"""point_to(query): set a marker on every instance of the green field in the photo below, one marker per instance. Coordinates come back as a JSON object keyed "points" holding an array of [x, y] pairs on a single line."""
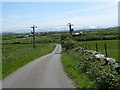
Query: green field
{"points": [[6, 39], [39, 39], [92, 35], [15, 56], [112, 47]]}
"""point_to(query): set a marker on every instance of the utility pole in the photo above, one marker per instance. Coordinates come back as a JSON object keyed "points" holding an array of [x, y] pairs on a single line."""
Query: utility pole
{"points": [[33, 34], [71, 30]]}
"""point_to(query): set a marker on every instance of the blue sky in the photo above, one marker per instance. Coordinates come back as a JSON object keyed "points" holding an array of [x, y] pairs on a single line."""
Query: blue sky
{"points": [[18, 16]]}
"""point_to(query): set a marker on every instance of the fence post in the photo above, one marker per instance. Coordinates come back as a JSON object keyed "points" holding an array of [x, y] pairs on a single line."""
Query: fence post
{"points": [[85, 46], [96, 46], [89, 47], [106, 54]]}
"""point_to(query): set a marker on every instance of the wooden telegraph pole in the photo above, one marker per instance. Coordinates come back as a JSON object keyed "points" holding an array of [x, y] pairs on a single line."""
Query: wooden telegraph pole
{"points": [[70, 25], [33, 32]]}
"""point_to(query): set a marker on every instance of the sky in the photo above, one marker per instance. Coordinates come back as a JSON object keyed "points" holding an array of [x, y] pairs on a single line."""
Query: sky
{"points": [[20, 16]]}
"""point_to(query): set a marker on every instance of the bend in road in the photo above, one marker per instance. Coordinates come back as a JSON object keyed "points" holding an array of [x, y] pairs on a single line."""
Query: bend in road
{"points": [[44, 72]]}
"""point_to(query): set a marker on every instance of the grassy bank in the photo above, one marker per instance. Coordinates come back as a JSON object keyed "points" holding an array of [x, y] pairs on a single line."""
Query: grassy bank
{"points": [[0, 61], [81, 80], [0, 70], [16, 55]]}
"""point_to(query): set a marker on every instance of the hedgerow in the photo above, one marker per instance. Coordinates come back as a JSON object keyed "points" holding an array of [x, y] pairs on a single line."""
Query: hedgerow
{"points": [[104, 76]]}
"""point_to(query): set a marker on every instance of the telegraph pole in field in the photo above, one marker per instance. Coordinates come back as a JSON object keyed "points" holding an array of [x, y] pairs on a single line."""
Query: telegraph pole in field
{"points": [[33, 32], [71, 30]]}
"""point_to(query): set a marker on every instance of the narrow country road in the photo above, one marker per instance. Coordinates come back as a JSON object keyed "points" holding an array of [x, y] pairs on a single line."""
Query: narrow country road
{"points": [[44, 72]]}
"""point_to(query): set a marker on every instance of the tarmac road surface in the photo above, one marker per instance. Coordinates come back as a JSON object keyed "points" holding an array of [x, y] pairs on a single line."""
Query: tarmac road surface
{"points": [[44, 72]]}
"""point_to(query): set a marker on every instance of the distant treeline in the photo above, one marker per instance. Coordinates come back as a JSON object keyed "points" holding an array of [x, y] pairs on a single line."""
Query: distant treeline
{"points": [[99, 35], [86, 38]]}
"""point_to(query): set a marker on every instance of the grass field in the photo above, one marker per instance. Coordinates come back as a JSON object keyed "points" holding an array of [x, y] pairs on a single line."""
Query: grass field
{"points": [[39, 39], [81, 80], [16, 55], [112, 47], [6, 39]]}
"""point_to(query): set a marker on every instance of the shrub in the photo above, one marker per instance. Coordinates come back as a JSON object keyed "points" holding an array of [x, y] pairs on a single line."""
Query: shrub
{"points": [[69, 44], [107, 78], [103, 76]]}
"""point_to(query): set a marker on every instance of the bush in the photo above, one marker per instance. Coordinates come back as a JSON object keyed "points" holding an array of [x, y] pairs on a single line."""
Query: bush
{"points": [[69, 44], [103, 76], [84, 64], [107, 78]]}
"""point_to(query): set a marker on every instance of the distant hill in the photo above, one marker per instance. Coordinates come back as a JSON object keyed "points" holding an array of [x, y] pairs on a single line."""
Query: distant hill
{"points": [[58, 30]]}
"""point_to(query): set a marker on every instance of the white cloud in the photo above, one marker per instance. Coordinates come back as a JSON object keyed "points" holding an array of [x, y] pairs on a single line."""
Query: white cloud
{"points": [[99, 15], [95, 16]]}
